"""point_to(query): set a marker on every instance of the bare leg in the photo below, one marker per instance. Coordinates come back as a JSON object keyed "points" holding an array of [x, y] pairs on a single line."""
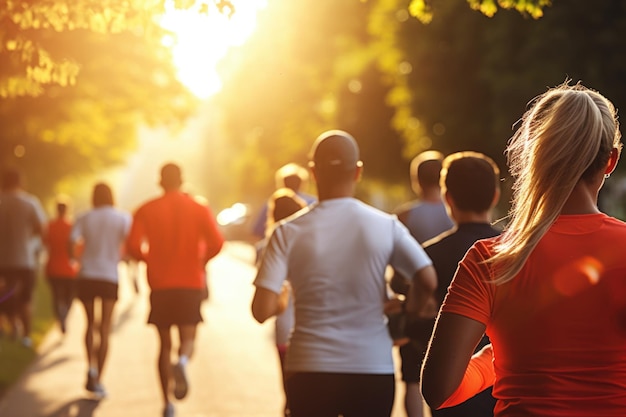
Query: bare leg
{"points": [[89, 310], [413, 401], [106, 318], [187, 334], [164, 362]]}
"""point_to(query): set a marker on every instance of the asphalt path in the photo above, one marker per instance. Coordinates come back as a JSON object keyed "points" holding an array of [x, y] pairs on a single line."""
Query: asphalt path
{"points": [[234, 372]]}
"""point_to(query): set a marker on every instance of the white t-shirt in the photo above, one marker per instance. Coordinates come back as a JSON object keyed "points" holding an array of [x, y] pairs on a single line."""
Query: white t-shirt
{"points": [[103, 231], [335, 255], [21, 216]]}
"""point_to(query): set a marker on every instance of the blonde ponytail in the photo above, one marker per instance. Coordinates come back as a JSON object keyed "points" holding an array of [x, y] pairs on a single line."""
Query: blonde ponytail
{"points": [[566, 136]]}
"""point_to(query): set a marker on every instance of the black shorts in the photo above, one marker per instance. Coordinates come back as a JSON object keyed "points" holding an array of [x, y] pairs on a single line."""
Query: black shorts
{"points": [[89, 288], [175, 306], [317, 394], [63, 287], [16, 288], [412, 354]]}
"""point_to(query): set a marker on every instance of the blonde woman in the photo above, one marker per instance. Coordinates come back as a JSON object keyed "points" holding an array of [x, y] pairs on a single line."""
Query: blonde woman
{"points": [[551, 291]]}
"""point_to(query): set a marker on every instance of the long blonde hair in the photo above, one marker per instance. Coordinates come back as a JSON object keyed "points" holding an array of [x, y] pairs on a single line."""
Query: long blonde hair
{"points": [[566, 136]]}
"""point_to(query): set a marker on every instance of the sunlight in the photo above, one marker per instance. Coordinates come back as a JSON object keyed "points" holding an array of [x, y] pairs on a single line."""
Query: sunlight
{"points": [[199, 41], [578, 276]]}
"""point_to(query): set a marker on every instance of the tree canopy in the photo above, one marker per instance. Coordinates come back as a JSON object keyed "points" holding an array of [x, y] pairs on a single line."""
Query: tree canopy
{"points": [[77, 78], [401, 86]]}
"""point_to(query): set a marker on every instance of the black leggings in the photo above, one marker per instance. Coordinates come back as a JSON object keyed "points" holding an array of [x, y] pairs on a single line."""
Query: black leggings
{"points": [[319, 394]]}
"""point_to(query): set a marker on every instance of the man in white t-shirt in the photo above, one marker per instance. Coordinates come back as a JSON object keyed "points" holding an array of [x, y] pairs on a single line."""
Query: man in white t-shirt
{"points": [[334, 255]]}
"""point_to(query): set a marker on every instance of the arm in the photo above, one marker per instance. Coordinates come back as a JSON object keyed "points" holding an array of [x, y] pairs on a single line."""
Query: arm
{"points": [[135, 239], [445, 368], [75, 236], [421, 290], [212, 237], [266, 303]]}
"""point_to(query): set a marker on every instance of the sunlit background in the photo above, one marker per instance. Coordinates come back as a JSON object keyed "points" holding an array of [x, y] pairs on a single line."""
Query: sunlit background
{"points": [[200, 41], [112, 92]]}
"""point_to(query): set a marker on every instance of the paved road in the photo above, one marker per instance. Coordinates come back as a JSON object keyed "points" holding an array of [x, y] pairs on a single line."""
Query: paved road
{"points": [[235, 372]]}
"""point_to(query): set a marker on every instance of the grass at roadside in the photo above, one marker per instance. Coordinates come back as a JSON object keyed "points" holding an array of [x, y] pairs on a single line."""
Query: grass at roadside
{"points": [[15, 358]]}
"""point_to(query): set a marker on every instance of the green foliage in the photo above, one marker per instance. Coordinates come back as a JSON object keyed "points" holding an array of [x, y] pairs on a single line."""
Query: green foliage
{"points": [[472, 76], [423, 9], [305, 58], [64, 128]]}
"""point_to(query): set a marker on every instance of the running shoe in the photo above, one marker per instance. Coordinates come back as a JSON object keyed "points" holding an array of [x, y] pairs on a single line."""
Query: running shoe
{"points": [[181, 383], [99, 392], [168, 411]]}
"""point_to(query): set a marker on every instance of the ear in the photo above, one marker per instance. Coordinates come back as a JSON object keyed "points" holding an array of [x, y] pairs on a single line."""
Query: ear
{"points": [[448, 199], [610, 166], [358, 172], [496, 197], [312, 170]]}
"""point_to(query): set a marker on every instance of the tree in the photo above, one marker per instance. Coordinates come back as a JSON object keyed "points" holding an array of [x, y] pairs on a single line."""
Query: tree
{"points": [[55, 125], [302, 73]]}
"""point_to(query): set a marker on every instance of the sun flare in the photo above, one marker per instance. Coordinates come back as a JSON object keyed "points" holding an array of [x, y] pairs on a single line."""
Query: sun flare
{"points": [[199, 41]]}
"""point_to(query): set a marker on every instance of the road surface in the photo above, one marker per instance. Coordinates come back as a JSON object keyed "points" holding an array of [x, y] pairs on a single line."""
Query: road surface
{"points": [[234, 373]]}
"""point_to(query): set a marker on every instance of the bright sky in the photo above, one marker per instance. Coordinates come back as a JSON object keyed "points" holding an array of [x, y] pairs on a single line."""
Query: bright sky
{"points": [[202, 40]]}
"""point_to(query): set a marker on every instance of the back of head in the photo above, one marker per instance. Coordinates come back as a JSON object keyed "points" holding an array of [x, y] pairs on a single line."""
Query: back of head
{"points": [[471, 179], [11, 179], [62, 205], [425, 169], [565, 137], [282, 203], [335, 156], [171, 177], [291, 176], [102, 195]]}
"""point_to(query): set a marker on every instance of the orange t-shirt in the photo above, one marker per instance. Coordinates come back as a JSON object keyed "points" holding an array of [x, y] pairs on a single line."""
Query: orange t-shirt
{"points": [[168, 233], [558, 328], [57, 239]]}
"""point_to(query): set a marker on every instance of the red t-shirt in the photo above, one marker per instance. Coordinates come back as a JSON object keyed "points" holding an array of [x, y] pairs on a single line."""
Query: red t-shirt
{"points": [[558, 328], [57, 239], [176, 237]]}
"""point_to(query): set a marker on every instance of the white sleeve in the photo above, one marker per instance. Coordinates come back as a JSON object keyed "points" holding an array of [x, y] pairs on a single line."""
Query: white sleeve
{"points": [[274, 264], [408, 255]]}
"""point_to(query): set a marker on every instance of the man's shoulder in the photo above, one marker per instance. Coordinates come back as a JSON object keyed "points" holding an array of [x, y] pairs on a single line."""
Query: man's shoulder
{"points": [[151, 204], [406, 207], [22, 197], [461, 236]]}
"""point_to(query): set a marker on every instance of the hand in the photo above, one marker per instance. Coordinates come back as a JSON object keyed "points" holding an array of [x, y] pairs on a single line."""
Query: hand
{"points": [[283, 298], [394, 306]]}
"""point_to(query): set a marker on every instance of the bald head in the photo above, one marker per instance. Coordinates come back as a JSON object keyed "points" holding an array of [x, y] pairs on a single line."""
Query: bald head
{"points": [[335, 150], [335, 163]]}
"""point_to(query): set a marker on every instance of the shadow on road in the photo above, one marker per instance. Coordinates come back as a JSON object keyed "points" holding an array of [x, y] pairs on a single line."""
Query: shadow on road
{"points": [[80, 407]]}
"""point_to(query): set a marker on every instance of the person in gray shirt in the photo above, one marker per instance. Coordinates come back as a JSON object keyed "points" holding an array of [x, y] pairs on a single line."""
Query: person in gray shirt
{"points": [[22, 220]]}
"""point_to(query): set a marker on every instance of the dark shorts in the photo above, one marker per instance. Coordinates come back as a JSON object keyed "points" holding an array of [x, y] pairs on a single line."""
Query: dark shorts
{"points": [[16, 288], [321, 394], [89, 288], [63, 288], [412, 354], [175, 306]]}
